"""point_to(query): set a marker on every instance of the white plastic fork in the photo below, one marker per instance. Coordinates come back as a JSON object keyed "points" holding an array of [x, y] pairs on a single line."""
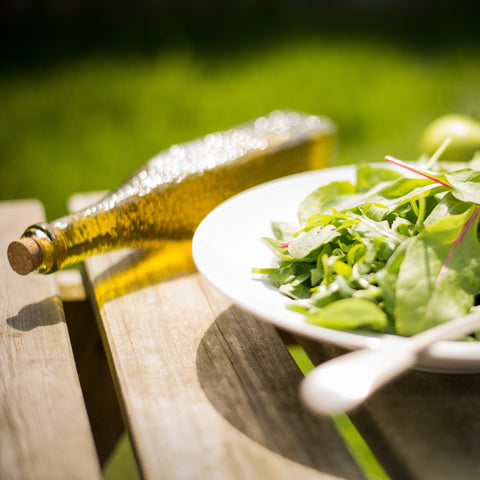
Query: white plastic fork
{"points": [[343, 383]]}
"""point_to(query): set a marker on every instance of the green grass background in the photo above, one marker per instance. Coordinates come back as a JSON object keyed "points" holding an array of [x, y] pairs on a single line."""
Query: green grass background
{"points": [[85, 102]]}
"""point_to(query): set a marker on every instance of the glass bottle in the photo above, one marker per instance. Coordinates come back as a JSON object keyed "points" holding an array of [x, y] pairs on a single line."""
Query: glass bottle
{"points": [[172, 193]]}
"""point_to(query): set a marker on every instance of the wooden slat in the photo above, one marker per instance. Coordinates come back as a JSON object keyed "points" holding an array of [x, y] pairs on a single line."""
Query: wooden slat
{"points": [[93, 371], [44, 430], [207, 391], [422, 426]]}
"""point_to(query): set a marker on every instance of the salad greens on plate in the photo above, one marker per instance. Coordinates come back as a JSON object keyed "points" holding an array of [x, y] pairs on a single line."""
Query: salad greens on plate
{"points": [[392, 253]]}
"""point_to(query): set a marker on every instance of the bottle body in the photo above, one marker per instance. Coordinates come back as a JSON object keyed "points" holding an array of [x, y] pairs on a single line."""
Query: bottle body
{"points": [[173, 192]]}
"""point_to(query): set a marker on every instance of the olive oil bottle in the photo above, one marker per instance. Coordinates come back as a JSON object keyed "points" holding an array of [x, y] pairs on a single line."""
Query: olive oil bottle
{"points": [[172, 193]]}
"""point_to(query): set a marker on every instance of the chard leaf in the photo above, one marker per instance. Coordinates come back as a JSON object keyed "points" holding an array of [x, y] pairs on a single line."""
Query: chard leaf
{"points": [[438, 178], [440, 274]]}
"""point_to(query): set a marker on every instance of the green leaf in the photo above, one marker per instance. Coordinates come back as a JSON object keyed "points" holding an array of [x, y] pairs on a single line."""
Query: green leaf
{"points": [[406, 247], [297, 292], [290, 272], [375, 211], [448, 205], [323, 198], [465, 185], [309, 241], [403, 190], [368, 176], [386, 282], [440, 274], [283, 231], [348, 314], [272, 244], [342, 269], [316, 276]]}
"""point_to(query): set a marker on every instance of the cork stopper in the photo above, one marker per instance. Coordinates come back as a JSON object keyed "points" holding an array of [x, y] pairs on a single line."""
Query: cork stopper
{"points": [[25, 255]]}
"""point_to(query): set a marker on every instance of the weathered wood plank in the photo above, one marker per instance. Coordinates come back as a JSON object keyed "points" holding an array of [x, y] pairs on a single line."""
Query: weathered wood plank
{"points": [[207, 391], [44, 430], [422, 426]]}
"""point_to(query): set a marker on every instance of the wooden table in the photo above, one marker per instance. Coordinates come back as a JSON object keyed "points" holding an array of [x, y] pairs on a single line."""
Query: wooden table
{"points": [[204, 390]]}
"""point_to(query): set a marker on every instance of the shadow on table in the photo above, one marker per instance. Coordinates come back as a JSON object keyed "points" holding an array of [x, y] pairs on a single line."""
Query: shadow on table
{"points": [[251, 380], [40, 314], [421, 422]]}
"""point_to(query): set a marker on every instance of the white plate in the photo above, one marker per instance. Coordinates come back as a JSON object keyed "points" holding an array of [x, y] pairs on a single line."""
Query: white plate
{"points": [[227, 245]]}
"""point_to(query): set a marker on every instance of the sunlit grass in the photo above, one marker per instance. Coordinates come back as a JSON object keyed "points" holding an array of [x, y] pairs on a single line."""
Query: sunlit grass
{"points": [[88, 124], [352, 438], [121, 465]]}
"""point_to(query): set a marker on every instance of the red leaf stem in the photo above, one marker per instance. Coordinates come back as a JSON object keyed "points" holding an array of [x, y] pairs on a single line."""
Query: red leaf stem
{"points": [[455, 244], [398, 162]]}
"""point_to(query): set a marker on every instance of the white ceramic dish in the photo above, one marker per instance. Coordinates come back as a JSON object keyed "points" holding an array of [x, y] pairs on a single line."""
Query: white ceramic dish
{"points": [[227, 245]]}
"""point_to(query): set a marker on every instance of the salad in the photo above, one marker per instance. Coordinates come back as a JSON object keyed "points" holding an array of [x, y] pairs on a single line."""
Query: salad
{"points": [[393, 253]]}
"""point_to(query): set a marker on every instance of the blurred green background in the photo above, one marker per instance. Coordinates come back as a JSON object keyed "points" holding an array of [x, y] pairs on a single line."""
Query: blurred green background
{"points": [[89, 93]]}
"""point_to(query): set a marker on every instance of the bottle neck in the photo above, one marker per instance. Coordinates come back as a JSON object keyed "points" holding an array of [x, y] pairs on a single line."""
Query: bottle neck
{"points": [[52, 244]]}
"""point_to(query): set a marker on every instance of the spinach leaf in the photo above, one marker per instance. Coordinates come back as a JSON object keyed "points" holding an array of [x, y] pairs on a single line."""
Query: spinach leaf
{"points": [[402, 191], [309, 241], [283, 231], [322, 199], [350, 313], [465, 184], [368, 176]]}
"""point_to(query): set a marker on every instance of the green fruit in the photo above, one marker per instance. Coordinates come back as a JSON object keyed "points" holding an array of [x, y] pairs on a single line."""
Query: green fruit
{"points": [[464, 132]]}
